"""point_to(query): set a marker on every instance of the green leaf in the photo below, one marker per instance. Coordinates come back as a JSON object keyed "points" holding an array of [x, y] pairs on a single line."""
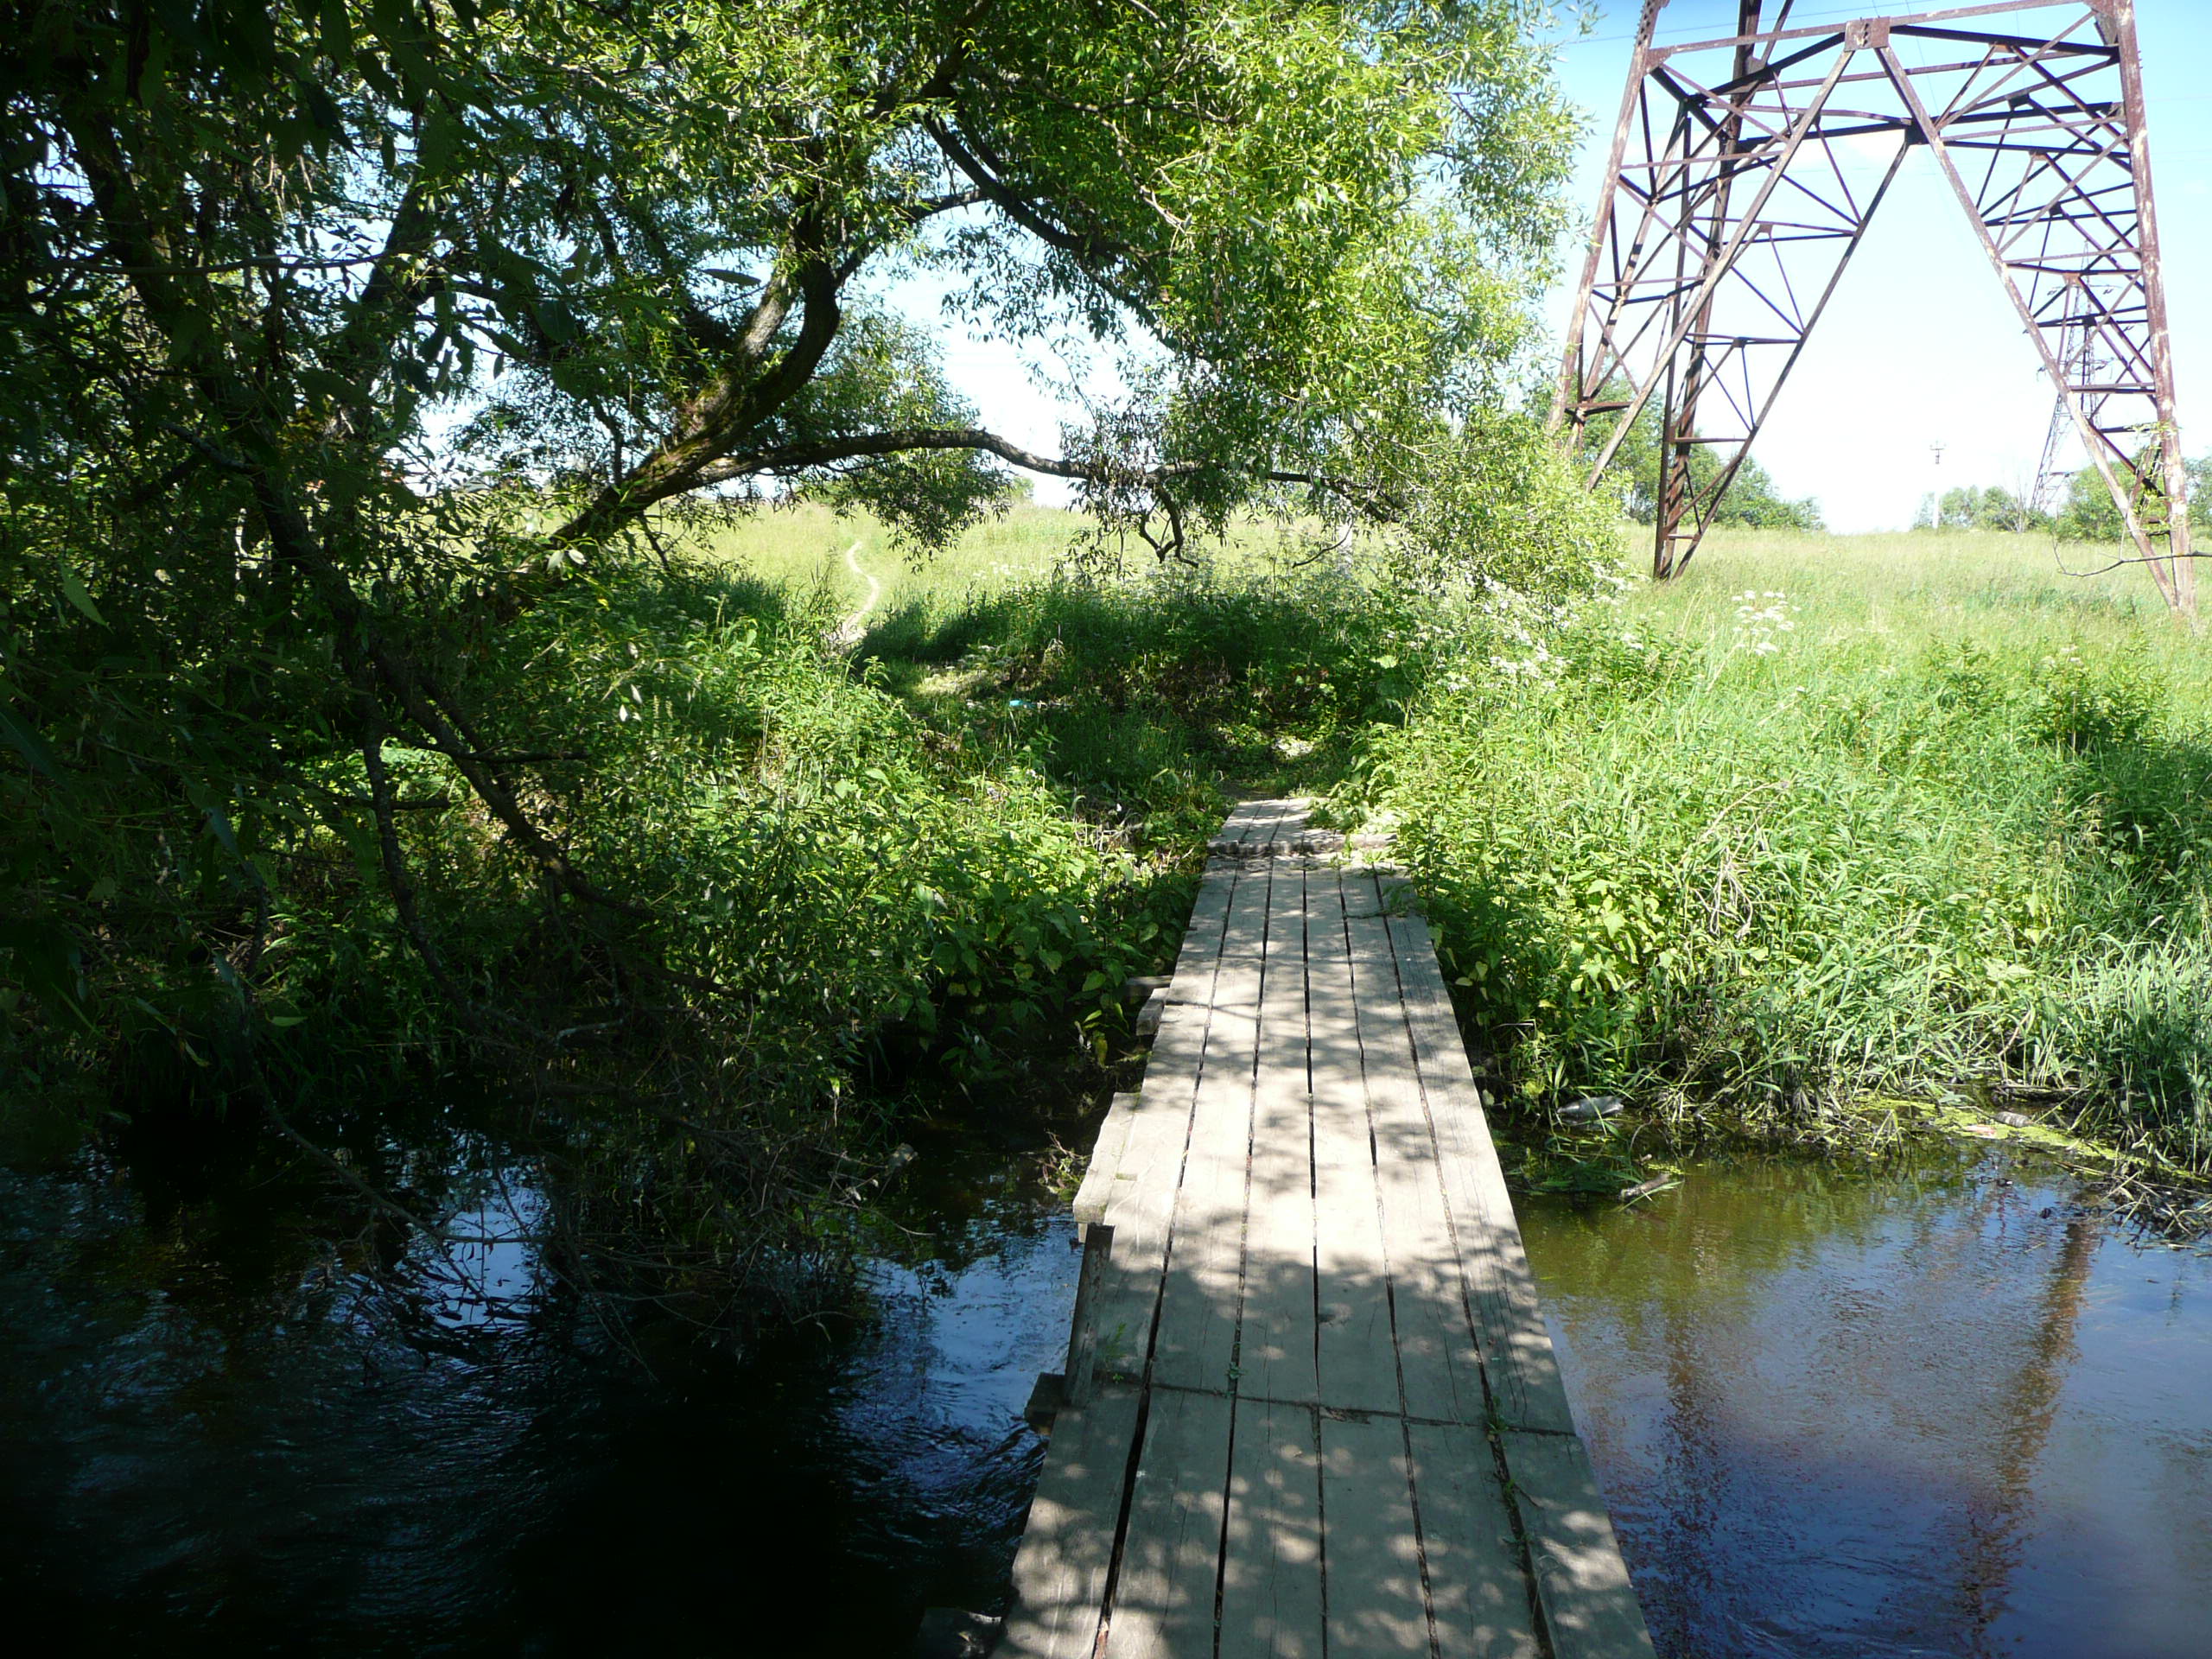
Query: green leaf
{"points": [[72, 589], [26, 743]]}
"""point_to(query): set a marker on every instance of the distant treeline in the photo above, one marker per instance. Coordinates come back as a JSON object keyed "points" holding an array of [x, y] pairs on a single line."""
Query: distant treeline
{"points": [[2087, 514], [1751, 502]]}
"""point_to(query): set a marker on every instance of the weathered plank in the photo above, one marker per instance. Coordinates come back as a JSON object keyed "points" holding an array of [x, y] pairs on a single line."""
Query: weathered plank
{"points": [[1195, 1347], [1370, 1547], [1196, 1343], [1105, 1164], [1171, 1557], [1141, 1200], [1201, 944], [1275, 1341], [1367, 929], [1477, 1578], [1438, 1364], [1590, 1609], [1081, 1370], [1355, 1355], [1271, 1566], [1059, 1574], [1139, 1203], [1246, 934], [1324, 915], [1501, 1291]]}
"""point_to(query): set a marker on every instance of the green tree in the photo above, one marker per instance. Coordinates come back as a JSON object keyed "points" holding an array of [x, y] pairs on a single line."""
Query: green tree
{"points": [[2090, 513], [1751, 502], [1969, 506], [341, 341]]}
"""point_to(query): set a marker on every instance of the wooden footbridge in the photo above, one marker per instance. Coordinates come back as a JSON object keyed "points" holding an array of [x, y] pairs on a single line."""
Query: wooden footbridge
{"points": [[1311, 1407]]}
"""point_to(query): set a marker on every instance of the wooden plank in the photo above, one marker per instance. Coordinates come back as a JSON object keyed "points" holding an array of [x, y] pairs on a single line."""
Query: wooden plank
{"points": [[1478, 1574], [1255, 823], [1171, 1556], [1195, 1346], [1501, 1291], [1367, 929], [1105, 1160], [1287, 817], [1246, 934], [1356, 1351], [1276, 1338], [1244, 818], [1196, 1343], [1439, 1366], [1370, 1549], [1357, 1356], [1325, 918], [1060, 1572], [1271, 1562], [1075, 1382], [1286, 939], [1141, 1201], [1590, 1607], [1140, 1204], [1202, 937]]}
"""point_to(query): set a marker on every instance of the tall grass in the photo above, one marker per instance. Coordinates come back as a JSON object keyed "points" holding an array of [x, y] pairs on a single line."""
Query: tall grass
{"points": [[1151, 695], [1831, 819], [803, 549]]}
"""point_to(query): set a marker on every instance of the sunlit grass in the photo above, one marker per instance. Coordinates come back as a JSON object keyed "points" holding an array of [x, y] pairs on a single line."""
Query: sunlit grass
{"points": [[1830, 819], [1906, 589], [805, 547]]}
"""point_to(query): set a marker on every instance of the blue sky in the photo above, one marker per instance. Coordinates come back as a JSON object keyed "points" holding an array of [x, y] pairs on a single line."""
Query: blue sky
{"points": [[1919, 347]]}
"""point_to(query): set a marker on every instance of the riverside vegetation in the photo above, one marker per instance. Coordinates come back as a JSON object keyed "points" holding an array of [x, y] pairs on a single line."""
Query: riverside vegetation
{"points": [[385, 777], [1836, 837], [1833, 831], [418, 751]]}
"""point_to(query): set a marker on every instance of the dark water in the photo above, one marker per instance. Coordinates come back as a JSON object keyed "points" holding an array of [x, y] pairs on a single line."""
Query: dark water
{"points": [[206, 1447], [1939, 1411], [1934, 1413]]}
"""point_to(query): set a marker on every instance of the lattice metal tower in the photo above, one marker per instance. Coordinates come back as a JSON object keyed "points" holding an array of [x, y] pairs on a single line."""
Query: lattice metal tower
{"points": [[1733, 204]]}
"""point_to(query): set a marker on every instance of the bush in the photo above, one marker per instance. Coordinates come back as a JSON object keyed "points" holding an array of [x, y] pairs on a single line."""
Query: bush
{"points": [[805, 891]]}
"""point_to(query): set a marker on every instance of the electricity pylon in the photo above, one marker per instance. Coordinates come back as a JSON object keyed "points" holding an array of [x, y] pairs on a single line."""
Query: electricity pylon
{"points": [[1742, 177]]}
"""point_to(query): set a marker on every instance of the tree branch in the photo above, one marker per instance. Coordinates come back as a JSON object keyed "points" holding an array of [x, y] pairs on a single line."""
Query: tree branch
{"points": [[826, 452], [739, 398]]}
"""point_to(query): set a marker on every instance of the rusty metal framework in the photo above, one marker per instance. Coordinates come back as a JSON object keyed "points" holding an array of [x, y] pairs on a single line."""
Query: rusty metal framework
{"points": [[1743, 175]]}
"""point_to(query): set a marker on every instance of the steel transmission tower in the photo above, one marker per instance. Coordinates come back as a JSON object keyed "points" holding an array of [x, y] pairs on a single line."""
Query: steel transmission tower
{"points": [[1743, 173]]}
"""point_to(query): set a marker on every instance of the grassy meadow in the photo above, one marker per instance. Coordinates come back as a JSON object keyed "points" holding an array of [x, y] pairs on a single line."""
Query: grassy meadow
{"points": [[1831, 830], [805, 548], [1831, 834]]}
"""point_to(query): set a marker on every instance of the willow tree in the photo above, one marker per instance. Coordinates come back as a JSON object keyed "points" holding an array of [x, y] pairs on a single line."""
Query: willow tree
{"points": [[298, 302]]}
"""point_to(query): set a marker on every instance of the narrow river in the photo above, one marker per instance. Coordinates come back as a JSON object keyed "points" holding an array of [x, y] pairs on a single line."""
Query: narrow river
{"points": [[1930, 1412], [1940, 1411]]}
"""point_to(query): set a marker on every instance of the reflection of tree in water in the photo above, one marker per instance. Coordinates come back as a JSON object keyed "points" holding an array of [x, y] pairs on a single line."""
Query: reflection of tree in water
{"points": [[1835, 1394], [1999, 1511]]}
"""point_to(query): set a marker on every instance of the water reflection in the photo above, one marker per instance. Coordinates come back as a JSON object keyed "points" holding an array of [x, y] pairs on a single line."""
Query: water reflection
{"points": [[1939, 1411], [217, 1437]]}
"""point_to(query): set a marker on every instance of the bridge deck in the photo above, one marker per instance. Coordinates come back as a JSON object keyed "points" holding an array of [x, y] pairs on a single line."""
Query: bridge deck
{"points": [[1326, 1417]]}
